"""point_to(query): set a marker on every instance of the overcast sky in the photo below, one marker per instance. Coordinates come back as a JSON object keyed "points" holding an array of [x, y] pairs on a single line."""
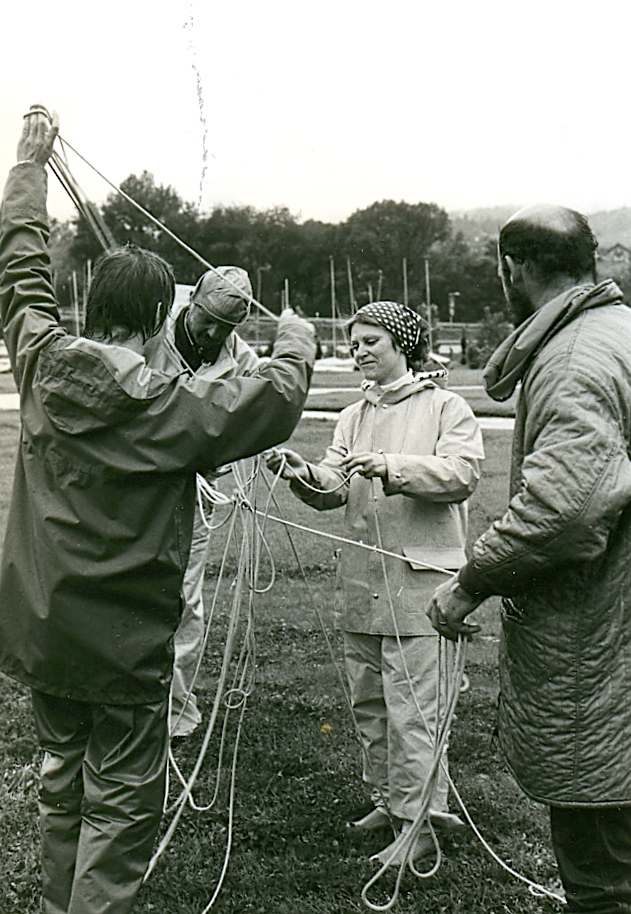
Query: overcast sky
{"points": [[326, 107]]}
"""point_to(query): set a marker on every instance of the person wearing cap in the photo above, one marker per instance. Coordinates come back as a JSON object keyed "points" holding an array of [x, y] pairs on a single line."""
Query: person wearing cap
{"points": [[403, 462], [201, 339]]}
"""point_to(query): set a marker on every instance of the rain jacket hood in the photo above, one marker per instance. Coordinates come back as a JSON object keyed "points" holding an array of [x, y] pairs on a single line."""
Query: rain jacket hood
{"points": [[100, 520], [511, 359]]}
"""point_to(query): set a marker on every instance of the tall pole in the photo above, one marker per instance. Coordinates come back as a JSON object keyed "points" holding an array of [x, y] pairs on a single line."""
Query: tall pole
{"points": [[379, 285], [257, 316], [333, 306], [351, 293], [286, 293], [405, 281], [428, 298], [75, 301]]}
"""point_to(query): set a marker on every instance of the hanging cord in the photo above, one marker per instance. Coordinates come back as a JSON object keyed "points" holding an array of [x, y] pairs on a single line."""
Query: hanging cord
{"points": [[406, 843], [454, 683], [60, 168], [66, 145], [234, 696]]}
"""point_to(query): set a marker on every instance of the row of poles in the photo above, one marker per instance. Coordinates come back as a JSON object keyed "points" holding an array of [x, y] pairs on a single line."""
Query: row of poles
{"points": [[79, 300]]}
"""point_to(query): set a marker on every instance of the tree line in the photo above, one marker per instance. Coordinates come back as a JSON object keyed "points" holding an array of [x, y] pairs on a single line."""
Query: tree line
{"points": [[389, 250]]}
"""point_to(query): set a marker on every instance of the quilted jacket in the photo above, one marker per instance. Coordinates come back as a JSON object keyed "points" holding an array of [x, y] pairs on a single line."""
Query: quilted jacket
{"points": [[561, 556]]}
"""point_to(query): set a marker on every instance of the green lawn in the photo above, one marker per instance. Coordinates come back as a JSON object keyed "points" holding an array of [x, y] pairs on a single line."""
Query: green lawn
{"points": [[298, 773]]}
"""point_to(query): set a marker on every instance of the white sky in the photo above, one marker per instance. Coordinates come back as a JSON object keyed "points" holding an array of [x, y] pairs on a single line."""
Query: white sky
{"points": [[326, 107]]}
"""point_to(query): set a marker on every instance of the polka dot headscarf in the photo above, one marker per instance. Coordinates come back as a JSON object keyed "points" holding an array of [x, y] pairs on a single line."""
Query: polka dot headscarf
{"points": [[405, 325]]}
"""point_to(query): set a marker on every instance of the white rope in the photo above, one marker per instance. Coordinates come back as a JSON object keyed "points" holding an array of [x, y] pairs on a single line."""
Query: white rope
{"points": [[64, 143], [454, 683]]}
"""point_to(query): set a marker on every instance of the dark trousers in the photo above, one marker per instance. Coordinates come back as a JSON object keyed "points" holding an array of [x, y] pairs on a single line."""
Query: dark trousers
{"points": [[593, 851], [100, 803]]}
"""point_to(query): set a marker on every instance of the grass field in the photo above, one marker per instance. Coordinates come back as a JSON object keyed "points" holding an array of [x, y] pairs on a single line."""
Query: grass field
{"points": [[298, 771]]}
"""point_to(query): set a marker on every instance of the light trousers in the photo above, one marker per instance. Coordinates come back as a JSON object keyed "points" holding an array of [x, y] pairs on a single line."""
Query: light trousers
{"points": [[101, 797], [397, 740], [189, 636]]}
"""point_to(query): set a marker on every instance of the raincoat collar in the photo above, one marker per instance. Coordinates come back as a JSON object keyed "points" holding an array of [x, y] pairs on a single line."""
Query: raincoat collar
{"points": [[510, 360], [374, 394]]}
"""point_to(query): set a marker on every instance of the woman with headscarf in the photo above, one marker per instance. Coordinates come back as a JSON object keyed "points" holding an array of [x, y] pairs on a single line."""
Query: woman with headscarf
{"points": [[403, 462]]}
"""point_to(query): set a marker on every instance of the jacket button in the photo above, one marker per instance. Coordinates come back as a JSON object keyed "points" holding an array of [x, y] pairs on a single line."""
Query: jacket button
{"points": [[375, 596]]}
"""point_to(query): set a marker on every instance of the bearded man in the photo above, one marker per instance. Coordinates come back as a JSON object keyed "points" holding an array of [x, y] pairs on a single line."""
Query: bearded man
{"points": [[559, 556]]}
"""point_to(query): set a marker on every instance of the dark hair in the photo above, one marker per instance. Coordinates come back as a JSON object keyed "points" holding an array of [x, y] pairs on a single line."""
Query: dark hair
{"points": [[568, 250], [131, 289]]}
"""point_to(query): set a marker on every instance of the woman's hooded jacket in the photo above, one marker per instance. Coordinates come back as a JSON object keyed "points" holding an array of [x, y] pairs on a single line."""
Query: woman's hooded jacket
{"points": [[432, 445]]}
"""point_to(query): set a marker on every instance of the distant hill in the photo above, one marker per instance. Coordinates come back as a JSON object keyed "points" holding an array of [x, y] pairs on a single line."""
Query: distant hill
{"points": [[610, 226], [481, 223]]}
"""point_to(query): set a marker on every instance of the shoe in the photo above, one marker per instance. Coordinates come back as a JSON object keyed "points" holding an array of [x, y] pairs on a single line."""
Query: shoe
{"points": [[180, 729], [447, 821], [397, 851], [378, 817]]}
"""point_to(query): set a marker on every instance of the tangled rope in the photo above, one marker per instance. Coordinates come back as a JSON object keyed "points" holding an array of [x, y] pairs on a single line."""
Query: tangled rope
{"points": [[232, 696], [242, 503]]}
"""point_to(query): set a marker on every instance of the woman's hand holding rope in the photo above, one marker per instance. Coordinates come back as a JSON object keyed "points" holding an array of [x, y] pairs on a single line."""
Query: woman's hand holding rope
{"points": [[366, 464]]}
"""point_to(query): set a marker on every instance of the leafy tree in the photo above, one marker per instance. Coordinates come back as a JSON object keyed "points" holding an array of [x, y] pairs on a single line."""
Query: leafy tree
{"points": [[379, 238], [471, 270], [128, 224], [493, 329]]}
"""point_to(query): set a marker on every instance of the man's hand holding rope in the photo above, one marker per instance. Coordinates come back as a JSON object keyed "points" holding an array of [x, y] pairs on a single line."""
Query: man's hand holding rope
{"points": [[38, 135], [448, 609]]}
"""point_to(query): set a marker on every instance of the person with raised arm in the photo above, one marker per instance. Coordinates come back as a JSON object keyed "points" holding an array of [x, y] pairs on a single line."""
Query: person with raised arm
{"points": [[99, 531]]}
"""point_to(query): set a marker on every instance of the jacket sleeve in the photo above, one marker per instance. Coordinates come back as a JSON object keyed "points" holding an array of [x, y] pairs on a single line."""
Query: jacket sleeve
{"points": [[202, 423], [28, 310], [328, 476], [574, 485], [452, 472]]}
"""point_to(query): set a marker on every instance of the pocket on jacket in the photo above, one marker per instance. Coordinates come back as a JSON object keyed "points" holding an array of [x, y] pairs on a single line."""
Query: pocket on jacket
{"points": [[446, 558]]}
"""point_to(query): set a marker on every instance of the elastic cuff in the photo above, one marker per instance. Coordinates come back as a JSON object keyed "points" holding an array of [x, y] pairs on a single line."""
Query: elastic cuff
{"points": [[466, 581]]}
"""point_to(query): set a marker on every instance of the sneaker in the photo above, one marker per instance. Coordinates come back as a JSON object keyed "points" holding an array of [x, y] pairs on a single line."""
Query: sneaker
{"points": [[378, 817], [397, 851]]}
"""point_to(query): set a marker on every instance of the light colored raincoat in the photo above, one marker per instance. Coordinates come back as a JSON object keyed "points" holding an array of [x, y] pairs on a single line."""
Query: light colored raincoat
{"points": [[432, 444]]}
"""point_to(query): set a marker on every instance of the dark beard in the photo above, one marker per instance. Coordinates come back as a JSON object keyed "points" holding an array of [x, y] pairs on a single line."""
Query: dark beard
{"points": [[521, 307]]}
